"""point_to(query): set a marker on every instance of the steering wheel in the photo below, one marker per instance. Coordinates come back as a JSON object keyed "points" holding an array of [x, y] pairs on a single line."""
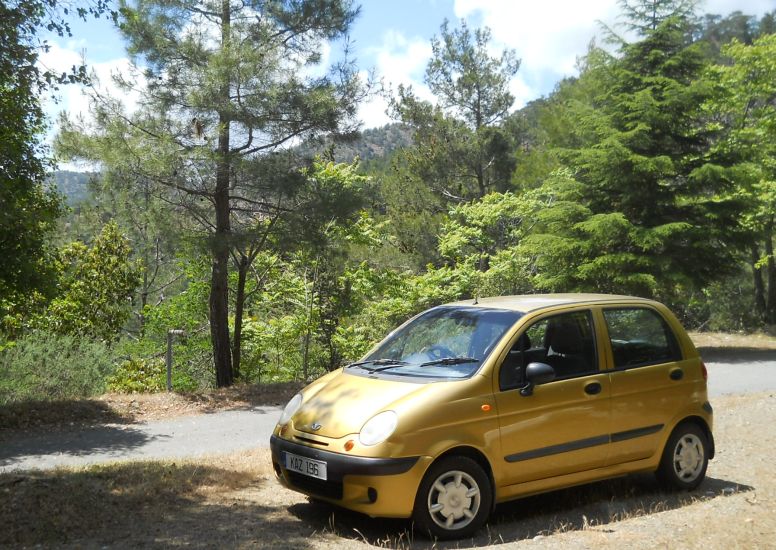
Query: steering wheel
{"points": [[438, 352]]}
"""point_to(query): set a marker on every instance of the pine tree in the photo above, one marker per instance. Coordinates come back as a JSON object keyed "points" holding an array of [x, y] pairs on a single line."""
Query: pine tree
{"points": [[229, 88], [460, 150], [652, 225]]}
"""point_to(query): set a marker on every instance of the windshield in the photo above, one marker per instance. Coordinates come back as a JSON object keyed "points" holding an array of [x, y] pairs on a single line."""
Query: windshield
{"points": [[446, 342]]}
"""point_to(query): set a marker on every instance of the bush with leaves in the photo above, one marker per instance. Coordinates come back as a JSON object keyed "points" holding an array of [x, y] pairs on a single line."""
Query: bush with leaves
{"points": [[44, 365], [97, 283]]}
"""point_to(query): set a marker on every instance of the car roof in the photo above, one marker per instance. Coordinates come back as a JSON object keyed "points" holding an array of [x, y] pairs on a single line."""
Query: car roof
{"points": [[533, 302]]}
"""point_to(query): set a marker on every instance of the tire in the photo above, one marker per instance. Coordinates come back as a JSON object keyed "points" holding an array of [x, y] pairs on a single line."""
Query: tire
{"points": [[454, 499], [685, 458]]}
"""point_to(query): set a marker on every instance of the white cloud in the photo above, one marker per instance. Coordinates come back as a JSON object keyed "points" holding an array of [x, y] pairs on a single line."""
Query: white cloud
{"points": [[549, 35], [74, 99], [398, 60]]}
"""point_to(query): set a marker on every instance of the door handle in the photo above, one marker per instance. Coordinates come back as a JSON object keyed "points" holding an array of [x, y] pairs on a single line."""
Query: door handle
{"points": [[593, 388], [677, 374]]}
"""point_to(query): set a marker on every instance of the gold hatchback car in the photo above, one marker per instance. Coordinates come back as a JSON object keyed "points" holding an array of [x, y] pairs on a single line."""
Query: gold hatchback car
{"points": [[475, 403]]}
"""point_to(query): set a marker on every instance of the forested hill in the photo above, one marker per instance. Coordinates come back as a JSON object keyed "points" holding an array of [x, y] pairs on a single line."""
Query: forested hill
{"points": [[73, 185], [371, 144]]}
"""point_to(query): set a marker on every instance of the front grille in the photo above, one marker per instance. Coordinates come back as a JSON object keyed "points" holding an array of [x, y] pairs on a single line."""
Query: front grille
{"points": [[311, 441], [314, 486]]}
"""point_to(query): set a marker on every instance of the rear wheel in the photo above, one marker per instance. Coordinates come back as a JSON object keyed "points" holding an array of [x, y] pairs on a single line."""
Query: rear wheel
{"points": [[685, 458], [454, 498]]}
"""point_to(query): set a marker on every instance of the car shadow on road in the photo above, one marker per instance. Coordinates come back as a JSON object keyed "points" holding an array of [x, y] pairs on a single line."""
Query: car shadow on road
{"points": [[736, 354], [76, 442], [593, 506]]}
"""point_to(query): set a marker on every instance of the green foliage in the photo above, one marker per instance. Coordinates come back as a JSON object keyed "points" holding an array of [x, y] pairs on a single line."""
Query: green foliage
{"points": [[743, 115], [44, 365], [96, 284], [645, 16], [223, 157], [652, 173], [148, 375], [138, 376], [29, 208], [638, 143]]}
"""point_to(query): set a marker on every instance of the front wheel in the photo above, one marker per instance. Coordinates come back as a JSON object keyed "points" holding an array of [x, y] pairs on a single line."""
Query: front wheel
{"points": [[454, 498], [685, 458]]}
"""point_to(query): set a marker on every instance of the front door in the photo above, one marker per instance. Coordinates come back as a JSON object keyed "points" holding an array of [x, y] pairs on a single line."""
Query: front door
{"points": [[563, 426]]}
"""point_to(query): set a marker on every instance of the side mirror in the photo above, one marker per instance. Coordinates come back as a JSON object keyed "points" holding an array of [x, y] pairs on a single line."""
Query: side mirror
{"points": [[536, 373]]}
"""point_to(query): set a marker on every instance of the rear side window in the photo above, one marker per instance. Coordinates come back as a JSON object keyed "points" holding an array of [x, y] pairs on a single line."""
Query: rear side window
{"points": [[640, 337]]}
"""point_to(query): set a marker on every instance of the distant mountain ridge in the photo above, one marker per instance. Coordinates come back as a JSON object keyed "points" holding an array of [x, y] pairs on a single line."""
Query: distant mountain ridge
{"points": [[371, 144]]}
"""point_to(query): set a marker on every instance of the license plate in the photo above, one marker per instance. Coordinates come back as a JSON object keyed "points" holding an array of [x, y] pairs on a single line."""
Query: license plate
{"points": [[306, 466]]}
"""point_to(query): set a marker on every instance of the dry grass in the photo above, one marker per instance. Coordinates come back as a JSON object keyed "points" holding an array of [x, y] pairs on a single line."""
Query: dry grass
{"points": [[125, 501], [758, 341]]}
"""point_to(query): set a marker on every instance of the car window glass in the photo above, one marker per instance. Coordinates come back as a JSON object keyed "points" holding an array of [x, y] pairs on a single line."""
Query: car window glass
{"points": [[640, 337], [430, 345], [566, 342]]}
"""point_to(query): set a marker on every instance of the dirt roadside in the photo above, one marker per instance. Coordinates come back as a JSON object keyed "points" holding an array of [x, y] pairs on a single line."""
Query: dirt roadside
{"points": [[116, 408], [235, 501]]}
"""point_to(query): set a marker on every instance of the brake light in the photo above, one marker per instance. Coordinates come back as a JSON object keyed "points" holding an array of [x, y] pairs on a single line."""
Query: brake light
{"points": [[704, 372]]}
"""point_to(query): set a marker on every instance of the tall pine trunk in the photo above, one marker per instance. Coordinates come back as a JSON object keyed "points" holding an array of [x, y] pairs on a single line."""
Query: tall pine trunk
{"points": [[219, 282]]}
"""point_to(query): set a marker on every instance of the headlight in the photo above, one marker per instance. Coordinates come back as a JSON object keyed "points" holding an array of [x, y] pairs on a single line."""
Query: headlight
{"points": [[291, 409], [378, 428]]}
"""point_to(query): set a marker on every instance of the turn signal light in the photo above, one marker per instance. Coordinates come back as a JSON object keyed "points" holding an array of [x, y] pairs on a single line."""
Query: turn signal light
{"points": [[485, 407], [349, 444]]}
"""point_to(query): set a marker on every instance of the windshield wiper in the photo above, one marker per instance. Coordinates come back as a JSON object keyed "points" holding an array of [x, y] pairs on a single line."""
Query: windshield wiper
{"points": [[450, 361], [390, 363]]}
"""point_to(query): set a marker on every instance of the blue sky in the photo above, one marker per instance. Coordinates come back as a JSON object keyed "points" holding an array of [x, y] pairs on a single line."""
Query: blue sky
{"points": [[391, 37]]}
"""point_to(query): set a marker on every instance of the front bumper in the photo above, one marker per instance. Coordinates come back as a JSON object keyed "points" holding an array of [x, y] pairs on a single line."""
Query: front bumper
{"points": [[380, 487]]}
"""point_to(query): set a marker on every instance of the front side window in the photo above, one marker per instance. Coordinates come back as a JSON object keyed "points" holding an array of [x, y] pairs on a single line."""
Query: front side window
{"points": [[640, 337], [566, 342], [444, 342]]}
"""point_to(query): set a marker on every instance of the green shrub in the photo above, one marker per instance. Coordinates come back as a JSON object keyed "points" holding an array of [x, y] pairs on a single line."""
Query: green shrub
{"points": [[139, 375], [46, 366], [148, 375]]}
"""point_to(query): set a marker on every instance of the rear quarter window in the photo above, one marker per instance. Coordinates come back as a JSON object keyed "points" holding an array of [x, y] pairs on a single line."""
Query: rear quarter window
{"points": [[640, 337]]}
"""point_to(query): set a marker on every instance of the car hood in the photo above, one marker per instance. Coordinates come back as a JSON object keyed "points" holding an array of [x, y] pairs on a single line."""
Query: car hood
{"points": [[340, 403]]}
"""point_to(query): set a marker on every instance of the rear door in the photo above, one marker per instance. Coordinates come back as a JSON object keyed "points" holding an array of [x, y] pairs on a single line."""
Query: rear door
{"points": [[647, 380], [563, 427]]}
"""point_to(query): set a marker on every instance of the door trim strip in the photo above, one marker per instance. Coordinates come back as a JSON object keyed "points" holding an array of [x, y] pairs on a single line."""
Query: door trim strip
{"points": [[557, 449], [638, 432], [584, 443]]}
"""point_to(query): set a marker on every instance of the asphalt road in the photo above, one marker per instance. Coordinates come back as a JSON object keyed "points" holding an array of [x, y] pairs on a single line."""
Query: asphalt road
{"points": [[229, 431]]}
